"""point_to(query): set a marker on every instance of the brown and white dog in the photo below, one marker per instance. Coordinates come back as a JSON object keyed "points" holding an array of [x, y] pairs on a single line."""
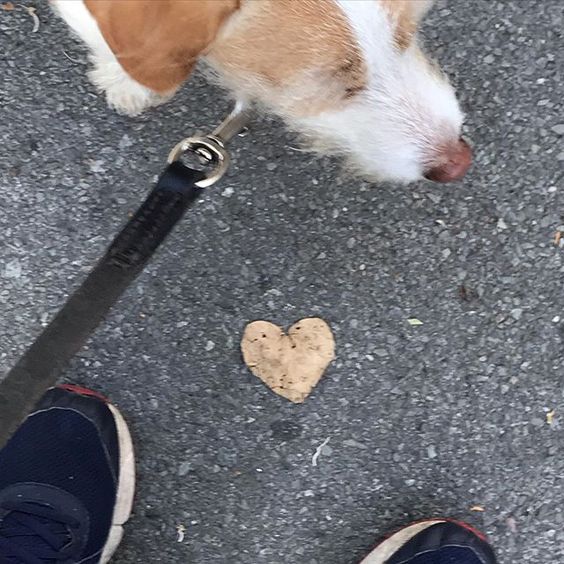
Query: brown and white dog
{"points": [[348, 74]]}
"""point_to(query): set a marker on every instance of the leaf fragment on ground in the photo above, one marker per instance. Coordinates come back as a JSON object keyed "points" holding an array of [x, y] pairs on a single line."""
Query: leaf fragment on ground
{"points": [[180, 530], [512, 524], [318, 451], [33, 13], [290, 364]]}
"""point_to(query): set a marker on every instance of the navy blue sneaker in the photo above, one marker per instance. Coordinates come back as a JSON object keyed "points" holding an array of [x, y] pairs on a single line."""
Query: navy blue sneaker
{"points": [[437, 541], [67, 479]]}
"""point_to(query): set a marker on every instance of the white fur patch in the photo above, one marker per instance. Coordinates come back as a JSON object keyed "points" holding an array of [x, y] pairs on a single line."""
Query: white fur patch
{"points": [[123, 93], [393, 129]]}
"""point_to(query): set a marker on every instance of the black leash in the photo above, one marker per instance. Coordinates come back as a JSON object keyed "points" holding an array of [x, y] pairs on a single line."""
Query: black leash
{"points": [[176, 190]]}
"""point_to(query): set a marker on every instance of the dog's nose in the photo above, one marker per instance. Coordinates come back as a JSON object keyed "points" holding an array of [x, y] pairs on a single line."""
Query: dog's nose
{"points": [[454, 163]]}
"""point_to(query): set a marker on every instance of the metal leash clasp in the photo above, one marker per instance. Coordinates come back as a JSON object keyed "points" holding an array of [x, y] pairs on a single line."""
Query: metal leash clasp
{"points": [[211, 148]]}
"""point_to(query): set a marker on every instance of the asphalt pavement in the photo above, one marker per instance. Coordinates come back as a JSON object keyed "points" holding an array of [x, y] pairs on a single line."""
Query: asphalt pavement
{"points": [[461, 416]]}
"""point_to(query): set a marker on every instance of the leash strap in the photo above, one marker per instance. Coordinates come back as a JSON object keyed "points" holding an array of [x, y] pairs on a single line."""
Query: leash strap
{"points": [[39, 367]]}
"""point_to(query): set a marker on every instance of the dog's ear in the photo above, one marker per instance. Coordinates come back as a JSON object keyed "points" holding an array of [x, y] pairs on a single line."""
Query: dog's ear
{"points": [[158, 42], [407, 15], [419, 8]]}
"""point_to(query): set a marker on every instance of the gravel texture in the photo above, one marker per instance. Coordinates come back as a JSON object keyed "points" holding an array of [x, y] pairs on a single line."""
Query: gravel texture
{"points": [[422, 420]]}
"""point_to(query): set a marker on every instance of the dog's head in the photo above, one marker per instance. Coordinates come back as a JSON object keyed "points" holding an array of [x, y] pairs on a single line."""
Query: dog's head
{"points": [[347, 73]]}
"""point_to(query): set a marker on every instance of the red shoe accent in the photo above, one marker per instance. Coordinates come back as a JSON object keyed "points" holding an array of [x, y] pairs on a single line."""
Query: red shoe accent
{"points": [[75, 389], [468, 527]]}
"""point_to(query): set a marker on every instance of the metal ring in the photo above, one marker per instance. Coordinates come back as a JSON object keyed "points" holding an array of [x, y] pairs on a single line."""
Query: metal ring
{"points": [[208, 148]]}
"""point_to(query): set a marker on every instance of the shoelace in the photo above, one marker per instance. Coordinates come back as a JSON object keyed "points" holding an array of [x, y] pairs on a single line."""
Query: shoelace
{"points": [[35, 534]]}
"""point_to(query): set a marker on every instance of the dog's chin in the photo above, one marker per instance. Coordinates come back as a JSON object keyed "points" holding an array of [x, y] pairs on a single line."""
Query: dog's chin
{"points": [[375, 176], [354, 163]]}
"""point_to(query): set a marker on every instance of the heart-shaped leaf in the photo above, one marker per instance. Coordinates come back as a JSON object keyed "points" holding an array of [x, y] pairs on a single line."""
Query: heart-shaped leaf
{"points": [[289, 364]]}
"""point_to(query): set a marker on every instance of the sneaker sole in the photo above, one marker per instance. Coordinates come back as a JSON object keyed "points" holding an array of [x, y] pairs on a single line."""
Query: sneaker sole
{"points": [[392, 544], [126, 479], [126, 486]]}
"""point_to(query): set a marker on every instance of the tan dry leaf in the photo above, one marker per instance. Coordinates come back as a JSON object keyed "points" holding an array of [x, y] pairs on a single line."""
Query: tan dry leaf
{"points": [[7, 6], [290, 365]]}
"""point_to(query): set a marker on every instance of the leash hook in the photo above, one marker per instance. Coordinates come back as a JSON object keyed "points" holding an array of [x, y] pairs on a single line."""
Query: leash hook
{"points": [[212, 147]]}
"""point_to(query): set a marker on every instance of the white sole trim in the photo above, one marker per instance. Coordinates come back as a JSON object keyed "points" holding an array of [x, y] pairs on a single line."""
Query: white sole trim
{"points": [[391, 545], [126, 486]]}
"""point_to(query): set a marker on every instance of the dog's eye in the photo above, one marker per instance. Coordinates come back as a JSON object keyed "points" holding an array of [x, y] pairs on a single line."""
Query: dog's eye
{"points": [[352, 91], [351, 72]]}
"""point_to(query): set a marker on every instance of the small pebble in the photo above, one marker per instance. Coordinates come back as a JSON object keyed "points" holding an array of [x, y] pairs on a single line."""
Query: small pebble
{"points": [[354, 444], [125, 142], [184, 468], [517, 313], [210, 345], [97, 166], [13, 269]]}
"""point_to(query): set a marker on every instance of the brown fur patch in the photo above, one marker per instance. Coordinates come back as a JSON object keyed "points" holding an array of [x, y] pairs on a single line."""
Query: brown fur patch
{"points": [[158, 42], [406, 17], [282, 42], [303, 44]]}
